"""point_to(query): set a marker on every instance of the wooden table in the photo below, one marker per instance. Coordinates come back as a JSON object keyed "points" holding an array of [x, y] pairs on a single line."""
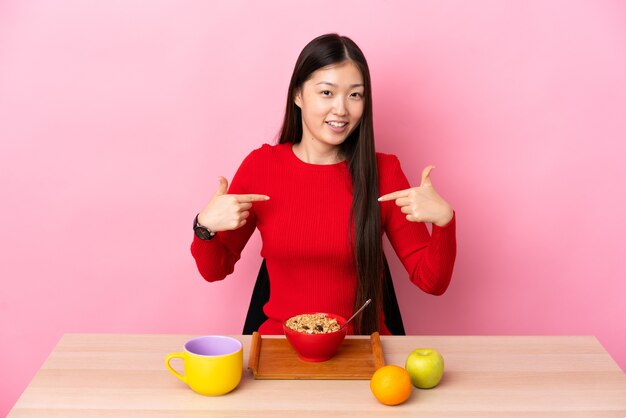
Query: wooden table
{"points": [[125, 376]]}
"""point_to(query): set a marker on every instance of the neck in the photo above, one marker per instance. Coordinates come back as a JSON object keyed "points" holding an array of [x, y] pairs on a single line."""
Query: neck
{"points": [[314, 153]]}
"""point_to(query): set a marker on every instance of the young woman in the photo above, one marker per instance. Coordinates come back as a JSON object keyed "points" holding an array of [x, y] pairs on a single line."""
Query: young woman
{"points": [[322, 198]]}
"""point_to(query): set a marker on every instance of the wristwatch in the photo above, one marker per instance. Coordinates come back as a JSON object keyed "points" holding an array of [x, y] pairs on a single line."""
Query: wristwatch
{"points": [[202, 231]]}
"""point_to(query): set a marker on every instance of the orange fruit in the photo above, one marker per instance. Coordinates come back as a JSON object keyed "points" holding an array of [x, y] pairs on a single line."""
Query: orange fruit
{"points": [[391, 385]]}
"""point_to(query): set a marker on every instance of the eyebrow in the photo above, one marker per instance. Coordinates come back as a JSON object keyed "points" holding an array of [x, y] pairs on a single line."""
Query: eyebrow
{"points": [[334, 85]]}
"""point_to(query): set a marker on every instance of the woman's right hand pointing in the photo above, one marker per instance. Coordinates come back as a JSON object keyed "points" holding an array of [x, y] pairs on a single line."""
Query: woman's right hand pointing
{"points": [[226, 212]]}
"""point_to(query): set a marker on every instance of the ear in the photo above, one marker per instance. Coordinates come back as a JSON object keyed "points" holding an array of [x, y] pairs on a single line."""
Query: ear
{"points": [[297, 97]]}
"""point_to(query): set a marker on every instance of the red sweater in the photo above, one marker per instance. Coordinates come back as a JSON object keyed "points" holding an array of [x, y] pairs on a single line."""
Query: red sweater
{"points": [[304, 231]]}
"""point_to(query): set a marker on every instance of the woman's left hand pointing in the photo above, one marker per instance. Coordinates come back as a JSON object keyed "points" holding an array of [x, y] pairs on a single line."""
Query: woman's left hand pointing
{"points": [[423, 203]]}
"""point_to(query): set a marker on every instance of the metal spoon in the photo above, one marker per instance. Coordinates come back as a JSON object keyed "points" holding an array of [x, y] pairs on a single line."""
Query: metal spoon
{"points": [[367, 302]]}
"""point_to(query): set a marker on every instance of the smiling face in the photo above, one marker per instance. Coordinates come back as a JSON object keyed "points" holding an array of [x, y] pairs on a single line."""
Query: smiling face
{"points": [[332, 102]]}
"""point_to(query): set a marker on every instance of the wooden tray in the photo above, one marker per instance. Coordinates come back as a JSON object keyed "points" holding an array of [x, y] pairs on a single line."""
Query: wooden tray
{"points": [[356, 359]]}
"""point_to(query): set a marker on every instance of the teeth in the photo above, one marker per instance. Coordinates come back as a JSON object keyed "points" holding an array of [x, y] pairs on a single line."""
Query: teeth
{"points": [[337, 124]]}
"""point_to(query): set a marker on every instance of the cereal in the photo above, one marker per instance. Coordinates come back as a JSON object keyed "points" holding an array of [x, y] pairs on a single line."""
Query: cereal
{"points": [[313, 324]]}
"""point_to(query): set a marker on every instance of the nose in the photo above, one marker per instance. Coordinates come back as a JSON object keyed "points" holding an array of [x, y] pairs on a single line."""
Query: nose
{"points": [[339, 106]]}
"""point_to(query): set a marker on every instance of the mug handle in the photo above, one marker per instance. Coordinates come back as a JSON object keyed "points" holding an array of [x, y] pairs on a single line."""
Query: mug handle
{"points": [[171, 356]]}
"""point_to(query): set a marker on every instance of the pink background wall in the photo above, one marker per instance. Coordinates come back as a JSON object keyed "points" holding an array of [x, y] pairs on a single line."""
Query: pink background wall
{"points": [[117, 117]]}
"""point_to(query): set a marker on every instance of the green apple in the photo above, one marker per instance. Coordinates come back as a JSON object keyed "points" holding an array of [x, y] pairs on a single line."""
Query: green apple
{"points": [[425, 365]]}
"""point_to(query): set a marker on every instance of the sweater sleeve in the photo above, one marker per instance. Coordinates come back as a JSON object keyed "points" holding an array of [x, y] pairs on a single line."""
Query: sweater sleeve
{"points": [[216, 258], [429, 259]]}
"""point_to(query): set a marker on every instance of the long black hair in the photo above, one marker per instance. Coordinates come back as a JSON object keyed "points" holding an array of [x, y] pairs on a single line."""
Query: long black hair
{"points": [[360, 154]]}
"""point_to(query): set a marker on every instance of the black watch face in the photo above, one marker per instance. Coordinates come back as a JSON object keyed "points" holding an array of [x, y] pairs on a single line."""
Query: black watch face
{"points": [[203, 233]]}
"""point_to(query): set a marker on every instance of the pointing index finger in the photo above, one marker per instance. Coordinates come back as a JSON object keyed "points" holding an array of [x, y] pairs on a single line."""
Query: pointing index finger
{"points": [[394, 195], [248, 198]]}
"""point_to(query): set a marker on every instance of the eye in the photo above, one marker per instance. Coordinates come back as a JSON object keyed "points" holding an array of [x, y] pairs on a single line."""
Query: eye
{"points": [[356, 95], [326, 93]]}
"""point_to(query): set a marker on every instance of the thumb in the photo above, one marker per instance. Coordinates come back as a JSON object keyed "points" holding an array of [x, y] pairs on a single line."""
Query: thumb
{"points": [[223, 186], [426, 176]]}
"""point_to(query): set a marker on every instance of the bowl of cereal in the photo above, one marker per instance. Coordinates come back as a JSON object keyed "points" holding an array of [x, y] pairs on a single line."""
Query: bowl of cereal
{"points": [[315, 336]]}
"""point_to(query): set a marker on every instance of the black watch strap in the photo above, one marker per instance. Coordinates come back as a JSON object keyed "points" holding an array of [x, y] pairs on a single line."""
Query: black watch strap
{"points": [[202, 231]]}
